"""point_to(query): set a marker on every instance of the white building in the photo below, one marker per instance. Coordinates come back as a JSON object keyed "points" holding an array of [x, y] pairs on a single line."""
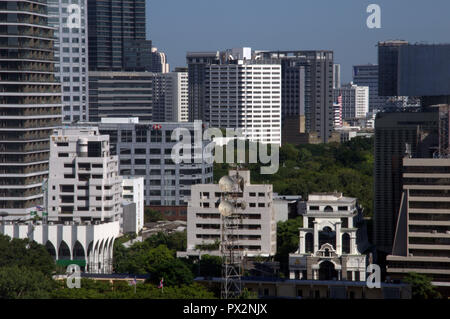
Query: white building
{"points": [[88, 245], [245, 95], [133, 192], [256, 234], [330, 241], [71, 54], [84, 185], [355, 100]]}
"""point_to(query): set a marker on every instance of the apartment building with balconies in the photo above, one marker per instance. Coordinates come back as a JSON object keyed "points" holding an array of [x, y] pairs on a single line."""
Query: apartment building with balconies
{"points": [[30, 104], [84, 185]]}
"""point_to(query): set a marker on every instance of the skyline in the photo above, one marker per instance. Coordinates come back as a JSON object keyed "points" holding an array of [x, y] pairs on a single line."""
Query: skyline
{"points": [[412, 20]]}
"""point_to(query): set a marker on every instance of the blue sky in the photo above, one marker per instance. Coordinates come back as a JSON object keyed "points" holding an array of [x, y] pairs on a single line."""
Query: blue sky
{"points": [[178, 26]]}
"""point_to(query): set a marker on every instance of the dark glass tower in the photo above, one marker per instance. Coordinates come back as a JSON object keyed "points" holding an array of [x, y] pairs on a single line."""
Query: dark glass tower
{"points": [[30, 104], [113, 25]]}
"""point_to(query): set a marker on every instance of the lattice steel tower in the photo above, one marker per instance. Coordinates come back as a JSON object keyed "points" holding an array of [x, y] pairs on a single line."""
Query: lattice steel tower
{"points": [[229, 208]]}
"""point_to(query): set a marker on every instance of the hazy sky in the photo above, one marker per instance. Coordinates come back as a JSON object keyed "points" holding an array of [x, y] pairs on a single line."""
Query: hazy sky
{"points": [[178, 26]]}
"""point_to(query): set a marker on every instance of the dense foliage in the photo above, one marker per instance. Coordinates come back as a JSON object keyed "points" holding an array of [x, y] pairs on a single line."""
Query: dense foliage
{"points": [[287, 240], [303, 169], [421, 286], [121, 290], [25, 269]]}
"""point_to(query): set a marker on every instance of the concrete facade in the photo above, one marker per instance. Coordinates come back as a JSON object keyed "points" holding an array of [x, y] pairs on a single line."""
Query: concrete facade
{"points": [[83, 184], [133, 192], [257, 234], [355, 101]]}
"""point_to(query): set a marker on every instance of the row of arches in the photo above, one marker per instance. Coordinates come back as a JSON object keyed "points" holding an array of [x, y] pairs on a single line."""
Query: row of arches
{"points": [[326, 236], [97, 257]]}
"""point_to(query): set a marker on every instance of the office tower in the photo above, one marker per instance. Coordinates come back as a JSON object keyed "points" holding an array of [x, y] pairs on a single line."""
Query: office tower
{"points": [[422, 239], [138, 56], [170, 97], [392, 132], [388, 53], [336, 76], [120, 94], [246, 95], [30, 104], [197, 61], [318, 86], [331, 240], [159, 62], [367, 75], [354, 101], [145, 149], [256, 235], [114, 27], [83, 184], [72, 58]]}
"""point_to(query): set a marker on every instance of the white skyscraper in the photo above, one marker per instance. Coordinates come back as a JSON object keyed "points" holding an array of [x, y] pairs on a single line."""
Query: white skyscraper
{"points": [[71, 55], [245, 95]]}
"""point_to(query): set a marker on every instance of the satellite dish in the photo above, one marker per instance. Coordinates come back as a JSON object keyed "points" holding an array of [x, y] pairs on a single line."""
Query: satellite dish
{"points": [[226, 208], [226, 184], [240, 181], [243, 205]]}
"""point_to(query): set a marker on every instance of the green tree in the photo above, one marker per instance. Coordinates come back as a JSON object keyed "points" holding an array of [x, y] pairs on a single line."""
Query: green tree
{"points": [[26, 253], [287, 240], [24, 283], [421, 286]]}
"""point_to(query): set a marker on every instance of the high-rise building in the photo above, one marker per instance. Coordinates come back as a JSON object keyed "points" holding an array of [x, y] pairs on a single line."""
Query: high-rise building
{"points": [[392, 132], [72, 58], [314, 95], [170, 97], [197, 61], [159, 62], [30, 104], [354, 101], [422, 238], [246, 95], [388, 53], [83, 184], [367, 75], [336, 76], [256, 235], [120, 94], [138, 56], [149, 96], [115, 27]]}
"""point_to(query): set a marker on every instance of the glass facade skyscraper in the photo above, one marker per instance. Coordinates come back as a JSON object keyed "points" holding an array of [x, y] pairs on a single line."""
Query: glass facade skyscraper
{"points": [[112, 25]]}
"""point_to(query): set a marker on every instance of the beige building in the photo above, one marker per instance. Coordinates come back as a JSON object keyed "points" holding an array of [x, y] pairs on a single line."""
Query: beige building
{"points": [[331, 240], [257, 229]]}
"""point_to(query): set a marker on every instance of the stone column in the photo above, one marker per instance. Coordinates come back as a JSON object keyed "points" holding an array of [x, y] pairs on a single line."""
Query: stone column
{"points": [[301, 242], [316, 237], [353, 243], [338, 239]]}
